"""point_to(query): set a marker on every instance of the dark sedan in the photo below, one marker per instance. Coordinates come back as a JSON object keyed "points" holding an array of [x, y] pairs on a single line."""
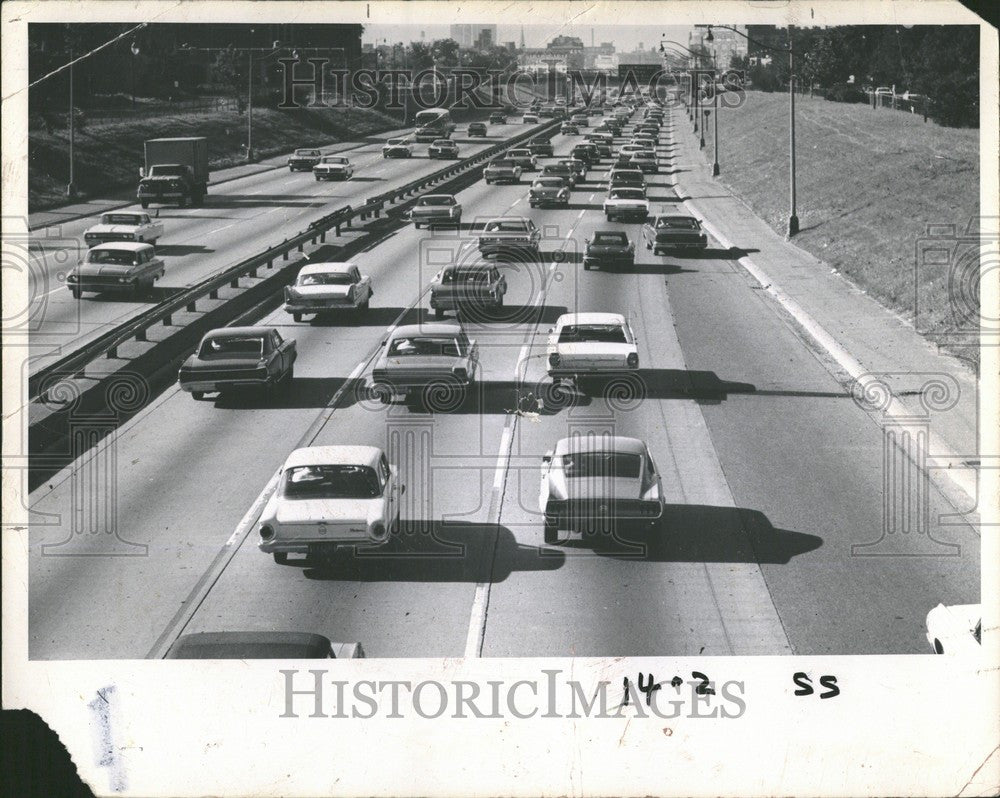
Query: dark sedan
{"points": [[674, 231], [608, 248], [443, 148]]}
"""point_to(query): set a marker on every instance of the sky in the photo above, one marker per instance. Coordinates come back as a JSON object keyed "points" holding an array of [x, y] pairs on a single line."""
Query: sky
{"points": [[624, 37]]}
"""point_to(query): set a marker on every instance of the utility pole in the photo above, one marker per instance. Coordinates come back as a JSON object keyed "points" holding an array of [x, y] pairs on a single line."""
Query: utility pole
{"points": [[71, 188], [793, 219]]}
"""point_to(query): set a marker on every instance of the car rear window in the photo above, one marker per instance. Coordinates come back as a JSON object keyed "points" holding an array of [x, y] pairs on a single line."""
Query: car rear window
{"points": [[325, 278], [610, 238], [597, 333], [118, 257], [120, 218], [436, 201], [602, 464], [424, 345], [238, 346], [627, 193], [679, 222], [331, 482], [309, 153]]}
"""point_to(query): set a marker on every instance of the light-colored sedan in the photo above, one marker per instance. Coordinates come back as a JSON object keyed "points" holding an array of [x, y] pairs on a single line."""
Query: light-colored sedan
{"points": [[124, 226], [599, 483], [955, 629], [331, 496], [334, 167], [325, 287], [583, 345]]}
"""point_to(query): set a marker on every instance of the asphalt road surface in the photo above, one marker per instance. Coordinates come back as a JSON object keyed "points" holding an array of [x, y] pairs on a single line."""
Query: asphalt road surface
{"points": [[773, 476]]}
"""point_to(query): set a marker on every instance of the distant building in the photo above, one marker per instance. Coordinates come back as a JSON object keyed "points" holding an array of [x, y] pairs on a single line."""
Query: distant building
{"points": [[485, 40], [469, 35], [725, 44]]}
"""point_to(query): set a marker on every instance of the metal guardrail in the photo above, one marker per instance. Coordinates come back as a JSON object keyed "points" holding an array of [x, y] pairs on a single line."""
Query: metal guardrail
{"points": [[186, 301]]}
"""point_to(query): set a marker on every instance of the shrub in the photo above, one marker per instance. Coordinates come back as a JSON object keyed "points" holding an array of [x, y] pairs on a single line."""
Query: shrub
{"points": [[845, 93]]}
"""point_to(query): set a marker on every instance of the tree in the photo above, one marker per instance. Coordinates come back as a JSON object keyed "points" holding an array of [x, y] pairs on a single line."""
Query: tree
{"points": [[228, 70], [820, 64], [445, 52], [420, 56]]}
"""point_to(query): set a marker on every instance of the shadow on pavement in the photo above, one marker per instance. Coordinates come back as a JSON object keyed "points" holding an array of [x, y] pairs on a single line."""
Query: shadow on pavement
{"points": [[438, 551], [182, 249], [701, 533]]}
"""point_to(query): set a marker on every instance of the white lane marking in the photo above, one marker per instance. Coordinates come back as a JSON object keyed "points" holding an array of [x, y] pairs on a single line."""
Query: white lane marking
{"points": [[480, 603], [593, 195], [220, 229], [517, 201], [580, 215]]}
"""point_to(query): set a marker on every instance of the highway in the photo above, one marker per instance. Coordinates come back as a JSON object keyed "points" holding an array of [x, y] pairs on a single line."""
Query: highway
{"points": [[772, 472], [240, 218]]}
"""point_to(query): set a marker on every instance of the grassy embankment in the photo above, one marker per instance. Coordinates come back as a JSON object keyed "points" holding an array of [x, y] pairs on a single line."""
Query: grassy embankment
{"points": [[109, 153], [869, 183]]}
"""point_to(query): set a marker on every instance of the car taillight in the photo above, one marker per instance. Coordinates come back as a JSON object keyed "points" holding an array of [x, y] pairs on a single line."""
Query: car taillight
{"points": [[632, 360], [554, 359], [266, 532]]}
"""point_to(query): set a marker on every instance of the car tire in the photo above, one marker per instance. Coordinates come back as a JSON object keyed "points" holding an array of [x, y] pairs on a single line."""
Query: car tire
{"points": [[144, 204], [381, 392], [317, 178], [364, 305], [288, 378], [280, 557], [197, 395], [77, 293], [551, 531], [296, 317], [438, 313]]}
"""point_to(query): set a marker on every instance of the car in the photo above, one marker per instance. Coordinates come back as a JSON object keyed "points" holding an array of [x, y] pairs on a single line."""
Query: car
{"points": [[549, 192], [530, 119], [569, 129], [647, 129], [522, 157], [548, 110], [602, 143], [467, 287], [502, 170], [433, 363], [608, 248], [673, 231], [477, 129], [541, 147], [955, 629], [237, 358], [509, 234], [434, 209], [608, 480], [626, 203], [334, 167], [123, 226], [580, 119], [397, 148], [498, 118], [561, 169], [328, 287], [304, 160], [586, 152], [261, 645], [328, 497], [645, 141], [579, 167], [883, 91], [123, 267], [624, 177], [588, 345], [442, 148], [645, 161], [636, 147]]}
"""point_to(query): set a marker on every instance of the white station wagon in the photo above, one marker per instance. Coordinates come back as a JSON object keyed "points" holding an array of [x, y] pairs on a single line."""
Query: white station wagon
{"points": [[325, 287], [330, 496], [591, 345]]}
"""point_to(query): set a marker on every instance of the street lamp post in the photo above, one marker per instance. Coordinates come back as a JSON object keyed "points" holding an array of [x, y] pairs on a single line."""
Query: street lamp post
{"points": [[135, 51], [715, 115], [793, 218]]}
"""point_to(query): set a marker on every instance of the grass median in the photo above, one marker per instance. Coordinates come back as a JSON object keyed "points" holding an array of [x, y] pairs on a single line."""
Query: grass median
{"points": [[870, 183], [108, 154]]}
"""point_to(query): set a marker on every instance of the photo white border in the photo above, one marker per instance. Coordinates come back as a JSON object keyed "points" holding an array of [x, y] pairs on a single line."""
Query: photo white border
{"points": [[903, 725]]}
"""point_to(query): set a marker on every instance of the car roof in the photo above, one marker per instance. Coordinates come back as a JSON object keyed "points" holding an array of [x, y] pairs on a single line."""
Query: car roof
{"points": [[509, 219], [592, 443], [250, 645], [223, 331], [334, 455], [327, 268], [131, 246], [428, 328], [589, 318], [438, 196], [676, 216]]}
